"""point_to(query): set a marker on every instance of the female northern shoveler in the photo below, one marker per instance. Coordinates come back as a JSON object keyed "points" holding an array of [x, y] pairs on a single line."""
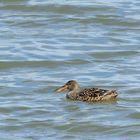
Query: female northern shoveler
{"points": [[87, 95]]}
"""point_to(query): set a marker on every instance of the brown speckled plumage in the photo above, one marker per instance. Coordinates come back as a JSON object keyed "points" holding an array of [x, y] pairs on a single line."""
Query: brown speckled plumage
{"points": [[88, 94]]}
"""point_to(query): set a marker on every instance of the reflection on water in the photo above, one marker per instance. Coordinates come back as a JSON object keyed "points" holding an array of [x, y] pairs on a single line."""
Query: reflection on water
{"points": [[43, 44]]}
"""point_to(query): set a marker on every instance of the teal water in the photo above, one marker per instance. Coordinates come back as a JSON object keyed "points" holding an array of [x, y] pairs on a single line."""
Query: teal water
{"points": [[43, 44]]}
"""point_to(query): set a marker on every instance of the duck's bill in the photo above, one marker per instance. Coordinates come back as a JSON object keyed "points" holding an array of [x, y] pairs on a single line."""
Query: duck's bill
{"points": [[61, 89]]}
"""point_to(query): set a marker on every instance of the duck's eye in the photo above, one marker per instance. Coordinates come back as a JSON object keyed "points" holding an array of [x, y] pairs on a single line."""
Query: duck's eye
{"points": [[69, 83]]}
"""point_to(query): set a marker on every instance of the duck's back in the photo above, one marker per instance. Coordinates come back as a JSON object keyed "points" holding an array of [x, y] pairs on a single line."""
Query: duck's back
{"points": [[96, 94]]}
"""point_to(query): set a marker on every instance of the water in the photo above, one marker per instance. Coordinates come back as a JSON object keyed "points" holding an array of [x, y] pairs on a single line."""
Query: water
{"points": [[43, 44]]}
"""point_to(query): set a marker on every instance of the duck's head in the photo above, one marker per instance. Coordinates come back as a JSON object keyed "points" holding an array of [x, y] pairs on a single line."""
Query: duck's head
{"points": [[71, 85]]}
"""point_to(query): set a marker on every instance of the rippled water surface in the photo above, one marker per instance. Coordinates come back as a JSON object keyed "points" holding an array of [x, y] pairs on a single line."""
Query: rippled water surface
{"points": [[45, 43]]}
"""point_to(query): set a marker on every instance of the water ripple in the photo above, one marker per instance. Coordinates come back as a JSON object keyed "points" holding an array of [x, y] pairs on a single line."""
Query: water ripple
{"points": [[43, 44]]}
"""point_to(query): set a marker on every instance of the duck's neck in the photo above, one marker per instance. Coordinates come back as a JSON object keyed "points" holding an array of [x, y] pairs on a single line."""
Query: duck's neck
{"points": [[73, 93]]}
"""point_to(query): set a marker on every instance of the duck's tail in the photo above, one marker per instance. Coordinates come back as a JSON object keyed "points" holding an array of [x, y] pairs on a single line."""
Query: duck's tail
{"points": [[111, 94]]}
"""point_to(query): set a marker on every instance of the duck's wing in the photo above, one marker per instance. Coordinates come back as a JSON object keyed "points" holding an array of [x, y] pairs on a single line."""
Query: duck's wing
{"points": [[91, 94]]}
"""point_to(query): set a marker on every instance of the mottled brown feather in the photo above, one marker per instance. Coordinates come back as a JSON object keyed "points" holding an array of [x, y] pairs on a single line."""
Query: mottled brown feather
{"points": [[94, 95]]}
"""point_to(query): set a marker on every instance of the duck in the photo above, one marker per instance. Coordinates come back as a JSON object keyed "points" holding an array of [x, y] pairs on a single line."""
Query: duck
{"points": [[87, 94]]}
